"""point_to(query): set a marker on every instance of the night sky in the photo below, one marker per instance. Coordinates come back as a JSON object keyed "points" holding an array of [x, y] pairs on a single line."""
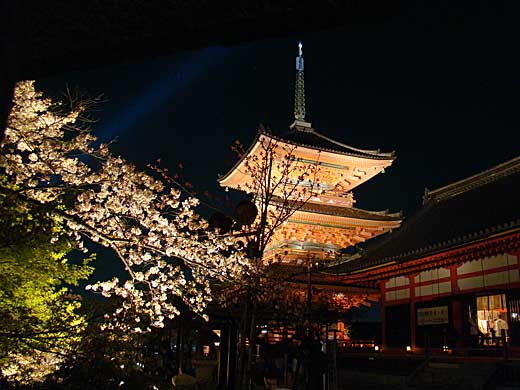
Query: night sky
{"points": [[443, 91]]}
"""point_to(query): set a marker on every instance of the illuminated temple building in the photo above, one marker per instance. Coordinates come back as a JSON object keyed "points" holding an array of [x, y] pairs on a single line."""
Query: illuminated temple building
{"points": [[329, 221], [454, 262]]}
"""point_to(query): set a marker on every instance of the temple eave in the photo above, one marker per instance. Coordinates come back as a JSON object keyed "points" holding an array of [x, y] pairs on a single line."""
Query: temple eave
{"points": [[351, 213], [360, 167]]}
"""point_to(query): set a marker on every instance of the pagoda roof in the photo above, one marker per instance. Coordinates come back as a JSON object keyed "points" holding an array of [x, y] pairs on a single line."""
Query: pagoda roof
{"points": [[309, 138], [350, 212], [478, 207]]}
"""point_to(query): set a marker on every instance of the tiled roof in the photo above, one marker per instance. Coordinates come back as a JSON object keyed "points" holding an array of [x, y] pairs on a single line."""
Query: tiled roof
{"points": [[312, 139], [474, 208], [350, 212]]}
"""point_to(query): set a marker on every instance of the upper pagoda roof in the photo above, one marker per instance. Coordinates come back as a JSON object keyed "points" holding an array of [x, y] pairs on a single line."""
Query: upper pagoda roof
{"points": [[309, 138], [472, 209]]}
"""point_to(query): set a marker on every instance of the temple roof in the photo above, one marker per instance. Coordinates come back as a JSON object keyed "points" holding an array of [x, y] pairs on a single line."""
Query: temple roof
{"points": [[310, 138], [350, 212], [472, 209]]}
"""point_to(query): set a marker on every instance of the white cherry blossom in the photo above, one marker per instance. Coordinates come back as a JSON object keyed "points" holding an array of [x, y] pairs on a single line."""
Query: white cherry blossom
{"points": [[51, 157]]}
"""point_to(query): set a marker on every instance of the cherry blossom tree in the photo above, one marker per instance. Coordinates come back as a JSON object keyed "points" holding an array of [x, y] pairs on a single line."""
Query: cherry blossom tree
{"points": [[51, 157], [279, 184]]}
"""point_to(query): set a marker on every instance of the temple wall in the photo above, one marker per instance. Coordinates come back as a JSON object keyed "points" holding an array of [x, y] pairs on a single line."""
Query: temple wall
{"points": [[432, 275], [433, 289], [396, 295], [432, 282], [487, 263], [451, 290], [397, 288], [487, 272], [396, 282]]}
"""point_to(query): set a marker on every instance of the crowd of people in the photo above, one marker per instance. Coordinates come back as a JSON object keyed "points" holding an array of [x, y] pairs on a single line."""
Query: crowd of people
{"points": [[289, 365], [487, 332]]}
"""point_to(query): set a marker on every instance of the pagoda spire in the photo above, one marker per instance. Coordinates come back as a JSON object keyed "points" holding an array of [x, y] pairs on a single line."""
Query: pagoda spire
{"points": [[299, 93]]}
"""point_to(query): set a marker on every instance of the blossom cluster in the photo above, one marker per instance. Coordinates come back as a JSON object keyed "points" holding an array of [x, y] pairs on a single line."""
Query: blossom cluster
{"points": [[167, 250], [29, 368], [279, 182]]}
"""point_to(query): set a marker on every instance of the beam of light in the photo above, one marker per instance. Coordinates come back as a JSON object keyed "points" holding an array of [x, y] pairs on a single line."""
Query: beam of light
{"points": [[164, 90]]}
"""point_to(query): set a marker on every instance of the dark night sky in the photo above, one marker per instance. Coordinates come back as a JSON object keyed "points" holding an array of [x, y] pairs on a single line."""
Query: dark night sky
{"points": [[441, 89]]}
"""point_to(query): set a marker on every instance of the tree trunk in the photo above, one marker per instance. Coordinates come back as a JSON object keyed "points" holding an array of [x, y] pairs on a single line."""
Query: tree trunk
{"points": [[252, 342], [242, 349], [180, 343]]}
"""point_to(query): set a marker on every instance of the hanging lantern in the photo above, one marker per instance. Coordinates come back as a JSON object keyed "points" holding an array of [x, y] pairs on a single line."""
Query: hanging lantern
{"points": [[245, 213]]}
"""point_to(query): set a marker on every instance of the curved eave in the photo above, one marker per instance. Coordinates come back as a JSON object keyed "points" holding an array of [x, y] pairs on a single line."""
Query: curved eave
{"points": [[478, 180], [341, 221], [226, 180], [343, 212], [368, 154], [351, 212], [253, 146]]}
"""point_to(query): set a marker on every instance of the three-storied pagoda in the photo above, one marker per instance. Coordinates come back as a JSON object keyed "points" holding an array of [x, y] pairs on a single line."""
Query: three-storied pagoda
{"points": [[328, 221]]}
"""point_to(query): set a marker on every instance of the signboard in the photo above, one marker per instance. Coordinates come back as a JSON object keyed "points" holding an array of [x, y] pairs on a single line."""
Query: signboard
{"points": [[432, 315]]}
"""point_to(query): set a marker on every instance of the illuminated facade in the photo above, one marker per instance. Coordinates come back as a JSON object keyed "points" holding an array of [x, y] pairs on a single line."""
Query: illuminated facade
{"points": [[454, 263], [328, 221]]}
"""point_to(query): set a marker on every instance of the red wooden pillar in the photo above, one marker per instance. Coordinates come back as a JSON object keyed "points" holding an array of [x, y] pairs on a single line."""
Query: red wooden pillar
{"points": [[413, 336], [383, 310], [456, 306]]}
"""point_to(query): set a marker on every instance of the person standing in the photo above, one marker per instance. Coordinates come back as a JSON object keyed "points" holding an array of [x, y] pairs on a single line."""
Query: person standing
{"points": [[474, 330], [500, 324]]}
